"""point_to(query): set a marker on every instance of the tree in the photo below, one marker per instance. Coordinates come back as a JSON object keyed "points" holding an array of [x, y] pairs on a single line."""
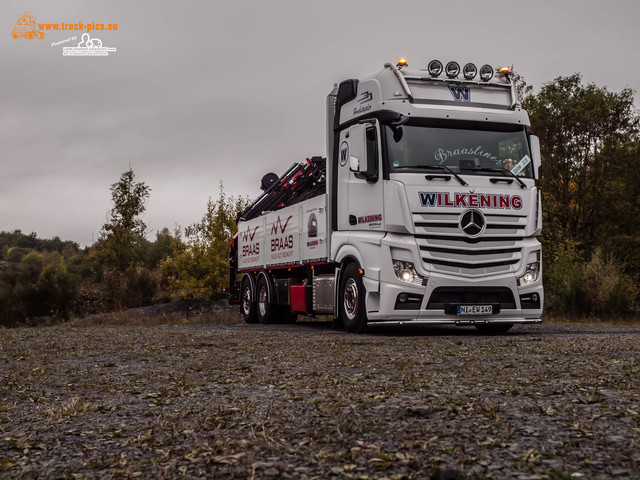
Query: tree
{"points": [[118, 254], [587, 138], [522, 89], [125, 230], [200, 265]]}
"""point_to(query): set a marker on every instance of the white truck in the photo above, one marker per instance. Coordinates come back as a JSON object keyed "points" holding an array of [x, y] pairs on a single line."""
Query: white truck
{"points": [[426, 210]]}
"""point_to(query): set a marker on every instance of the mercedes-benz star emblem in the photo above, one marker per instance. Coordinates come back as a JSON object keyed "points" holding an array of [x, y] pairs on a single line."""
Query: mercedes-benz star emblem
{"points": [[472, 223]]}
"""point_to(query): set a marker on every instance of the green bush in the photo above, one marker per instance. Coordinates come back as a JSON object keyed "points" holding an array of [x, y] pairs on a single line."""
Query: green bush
{"points": [[609, 290], [598, 287], [199, 267]]}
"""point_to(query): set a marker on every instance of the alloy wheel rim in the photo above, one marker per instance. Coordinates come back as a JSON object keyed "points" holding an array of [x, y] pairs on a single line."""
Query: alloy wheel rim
{"points": [[262, 301], [351, 299]]}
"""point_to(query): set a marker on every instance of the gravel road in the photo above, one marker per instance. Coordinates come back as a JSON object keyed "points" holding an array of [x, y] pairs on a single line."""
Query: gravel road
{"points": [[304, 401]]}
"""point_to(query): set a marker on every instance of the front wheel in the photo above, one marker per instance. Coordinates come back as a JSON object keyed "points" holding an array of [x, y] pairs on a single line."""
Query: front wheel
{"points": [[352, 308]]}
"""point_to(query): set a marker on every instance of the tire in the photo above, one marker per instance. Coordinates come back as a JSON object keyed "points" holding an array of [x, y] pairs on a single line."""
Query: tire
{"points": [[265, 311], [494, 327], [248, 301], [351, 301]]}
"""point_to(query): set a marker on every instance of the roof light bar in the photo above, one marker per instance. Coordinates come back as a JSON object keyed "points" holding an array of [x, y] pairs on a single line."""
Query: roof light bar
{"points": [[469, 71]]}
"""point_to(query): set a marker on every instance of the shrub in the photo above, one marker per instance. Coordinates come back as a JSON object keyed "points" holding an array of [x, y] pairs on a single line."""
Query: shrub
{"points": [[609, 290], [596, 287], [200, 265]]}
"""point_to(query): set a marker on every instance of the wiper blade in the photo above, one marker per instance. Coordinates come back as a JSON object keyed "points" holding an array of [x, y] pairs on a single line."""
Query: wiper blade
{"points": [[504, 171], [442, 168]]}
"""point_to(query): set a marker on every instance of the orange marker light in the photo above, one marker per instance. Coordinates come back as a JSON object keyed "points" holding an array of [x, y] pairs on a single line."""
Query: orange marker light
{"points": [[402, 63]]}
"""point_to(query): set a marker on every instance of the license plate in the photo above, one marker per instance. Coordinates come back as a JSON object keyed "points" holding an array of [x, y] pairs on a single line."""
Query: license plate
{"points": [[475, 309]]}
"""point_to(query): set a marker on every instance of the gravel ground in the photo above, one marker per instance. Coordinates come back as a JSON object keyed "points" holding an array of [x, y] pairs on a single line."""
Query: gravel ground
{"points": [[305, 401]]}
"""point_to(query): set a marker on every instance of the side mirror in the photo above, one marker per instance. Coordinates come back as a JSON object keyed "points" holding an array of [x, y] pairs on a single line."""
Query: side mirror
{"points": [[363, 158], [535, 154]]}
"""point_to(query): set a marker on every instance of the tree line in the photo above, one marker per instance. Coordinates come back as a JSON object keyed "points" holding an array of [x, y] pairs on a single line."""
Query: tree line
{"points": [[590, 186], [44, 280]]}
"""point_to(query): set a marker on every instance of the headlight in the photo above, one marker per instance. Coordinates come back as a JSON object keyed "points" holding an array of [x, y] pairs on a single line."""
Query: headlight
{"points": [[406, 272], [531, 273]]}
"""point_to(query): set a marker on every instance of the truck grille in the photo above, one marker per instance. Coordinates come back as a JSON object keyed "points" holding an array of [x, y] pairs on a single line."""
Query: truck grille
{"points": [[447, 249]]}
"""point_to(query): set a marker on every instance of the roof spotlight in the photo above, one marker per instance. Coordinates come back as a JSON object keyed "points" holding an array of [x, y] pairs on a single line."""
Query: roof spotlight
{"points": [[452, 69], [486, 73], [435, 68], [470, 71]]}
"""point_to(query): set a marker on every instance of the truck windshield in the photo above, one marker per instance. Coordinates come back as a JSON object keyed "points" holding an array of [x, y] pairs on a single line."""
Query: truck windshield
{"points": [[467, 148]]}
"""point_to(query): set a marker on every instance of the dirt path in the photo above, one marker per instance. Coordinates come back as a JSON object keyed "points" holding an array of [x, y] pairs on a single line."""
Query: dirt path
{"points": [[304, 401]]}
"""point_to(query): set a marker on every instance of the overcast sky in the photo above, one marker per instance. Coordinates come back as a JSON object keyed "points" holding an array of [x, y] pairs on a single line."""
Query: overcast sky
{"points": [[200, 93]]}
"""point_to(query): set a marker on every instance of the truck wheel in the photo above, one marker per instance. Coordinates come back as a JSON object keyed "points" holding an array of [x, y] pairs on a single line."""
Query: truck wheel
{"points": [[494, 327], [352, 310], [248, 302], [265, 311]]}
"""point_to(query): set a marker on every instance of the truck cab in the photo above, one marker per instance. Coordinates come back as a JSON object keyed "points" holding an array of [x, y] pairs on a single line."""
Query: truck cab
{"points": [[435, 174]]}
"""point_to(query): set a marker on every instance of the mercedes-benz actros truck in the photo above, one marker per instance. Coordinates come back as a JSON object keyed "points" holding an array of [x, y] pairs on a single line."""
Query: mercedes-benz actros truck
{"points": [[424, 211]]}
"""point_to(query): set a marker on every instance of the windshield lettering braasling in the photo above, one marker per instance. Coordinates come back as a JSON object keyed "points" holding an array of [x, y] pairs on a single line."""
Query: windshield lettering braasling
{"points": [[463, 148]]}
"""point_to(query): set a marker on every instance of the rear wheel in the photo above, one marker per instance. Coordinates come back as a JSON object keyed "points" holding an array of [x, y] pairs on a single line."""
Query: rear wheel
{"points": [[352, 292], [266, 311], [494, 327], [248, 301]]}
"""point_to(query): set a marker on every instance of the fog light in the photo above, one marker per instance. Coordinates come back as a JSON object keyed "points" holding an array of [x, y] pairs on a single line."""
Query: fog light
{"points": [[406, 272]]}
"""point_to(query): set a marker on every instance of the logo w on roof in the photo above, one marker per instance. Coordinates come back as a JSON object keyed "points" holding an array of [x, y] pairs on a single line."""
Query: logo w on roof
{"points": [[461, 94]]}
